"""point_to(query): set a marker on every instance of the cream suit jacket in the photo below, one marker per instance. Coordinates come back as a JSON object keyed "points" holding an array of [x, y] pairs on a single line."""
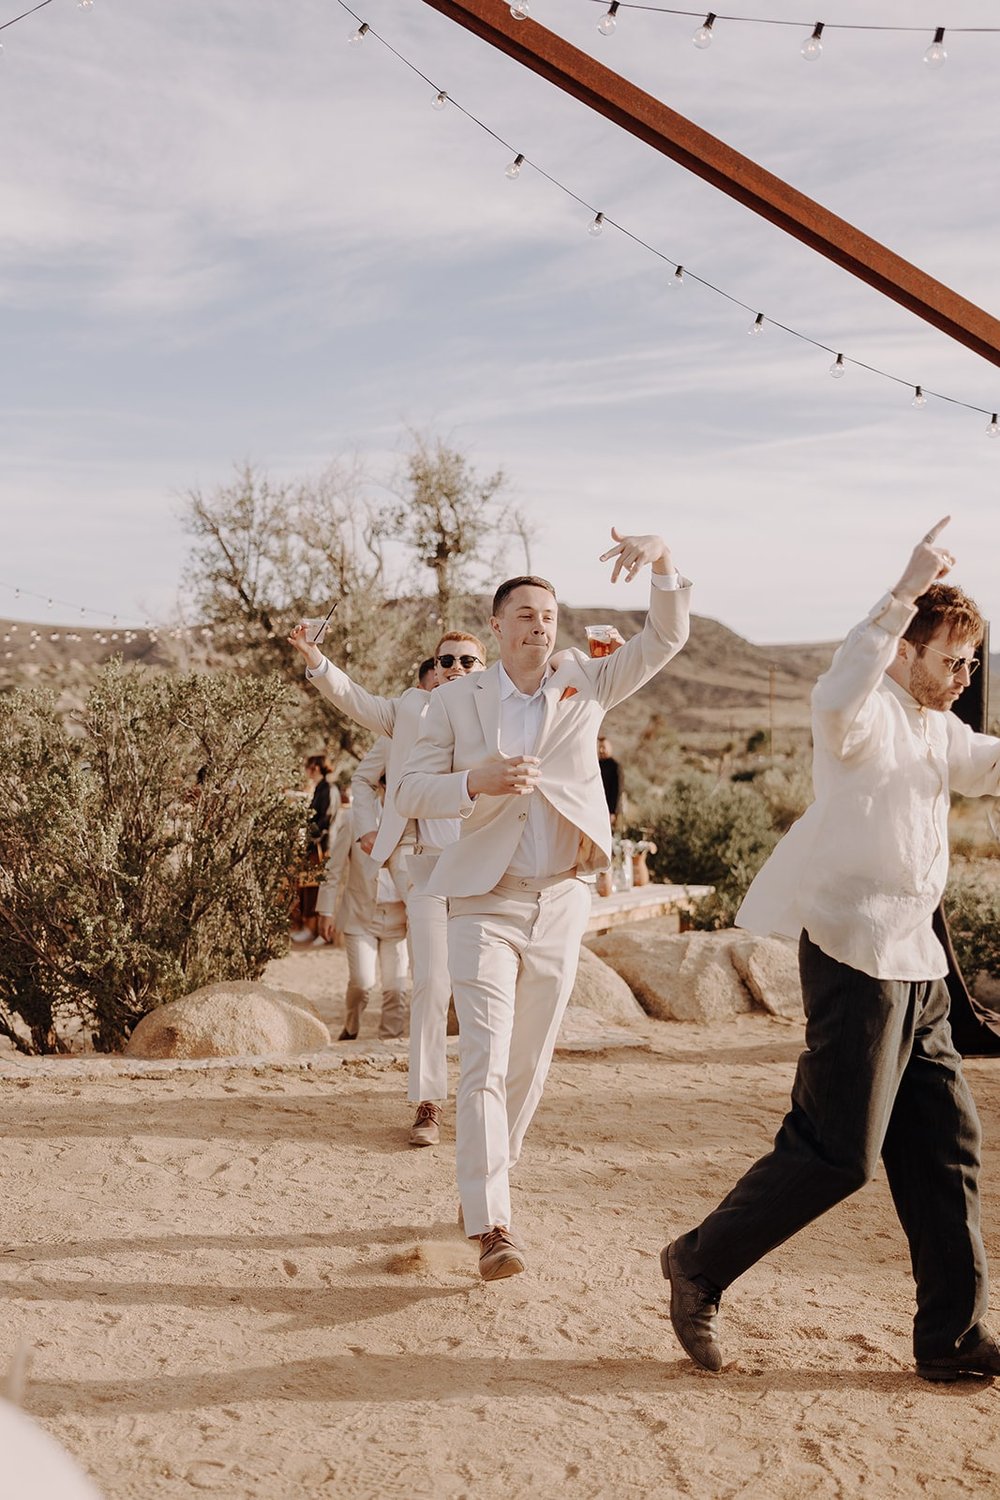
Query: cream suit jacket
{"points": [[398, 718], [461, 730]]}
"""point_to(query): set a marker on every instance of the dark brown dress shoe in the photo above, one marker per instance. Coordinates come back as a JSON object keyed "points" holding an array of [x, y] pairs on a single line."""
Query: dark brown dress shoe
{"points": [[981, 1358], [347, 1036], [693, 1313]]}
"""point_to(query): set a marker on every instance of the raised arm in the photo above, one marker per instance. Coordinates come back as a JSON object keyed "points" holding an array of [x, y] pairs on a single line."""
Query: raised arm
{"points": [[667, 623], [844, 704], [370, 709]]}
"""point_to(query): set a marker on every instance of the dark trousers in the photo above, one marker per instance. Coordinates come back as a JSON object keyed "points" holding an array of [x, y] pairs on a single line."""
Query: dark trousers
{"points": [[879, 1076]]}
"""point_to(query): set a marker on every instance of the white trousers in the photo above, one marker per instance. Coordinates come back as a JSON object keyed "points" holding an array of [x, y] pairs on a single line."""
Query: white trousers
{"points": [[513, 958], [427, 923], [364, 951]]}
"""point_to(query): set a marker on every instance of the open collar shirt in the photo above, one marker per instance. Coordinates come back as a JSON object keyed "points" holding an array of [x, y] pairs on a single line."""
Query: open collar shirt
{"points": [[549, 843], [864, 868]]}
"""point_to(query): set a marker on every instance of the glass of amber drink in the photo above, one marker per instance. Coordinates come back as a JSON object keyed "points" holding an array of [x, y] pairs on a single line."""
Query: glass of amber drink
{"points": [[600, 639]]}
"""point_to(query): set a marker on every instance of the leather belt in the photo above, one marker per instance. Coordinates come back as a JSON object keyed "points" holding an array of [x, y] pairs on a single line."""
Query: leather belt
{"points": [[533, 883]]}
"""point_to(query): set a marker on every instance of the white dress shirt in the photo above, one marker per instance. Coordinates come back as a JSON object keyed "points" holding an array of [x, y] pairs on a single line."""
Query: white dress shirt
{"points": [[549, 842], [864, 868]]}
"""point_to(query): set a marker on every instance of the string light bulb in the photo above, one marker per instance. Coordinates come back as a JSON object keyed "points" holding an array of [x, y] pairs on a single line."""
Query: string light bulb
{"points": [[597, 227], [703, 37], [513, 171], [521, 10], [440, 100], [993, 429], [608, 22], [84, 4], [757, 326], [677, 279], [919, 399], [838, 368], [357, 37], [813, 45], [936, 56]]}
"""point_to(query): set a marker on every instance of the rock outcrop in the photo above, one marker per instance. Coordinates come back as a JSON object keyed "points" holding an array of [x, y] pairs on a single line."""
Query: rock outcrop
{"points": [[234, 1019]]}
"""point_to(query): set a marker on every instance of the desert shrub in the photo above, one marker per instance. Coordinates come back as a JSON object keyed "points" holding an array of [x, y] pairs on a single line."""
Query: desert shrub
{"points": [[145, 849], [972, 906], [708, 833], [787, 789]]}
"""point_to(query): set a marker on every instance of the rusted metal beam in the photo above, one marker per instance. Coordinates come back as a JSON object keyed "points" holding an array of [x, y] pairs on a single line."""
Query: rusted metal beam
{"points": [[705, 155]]}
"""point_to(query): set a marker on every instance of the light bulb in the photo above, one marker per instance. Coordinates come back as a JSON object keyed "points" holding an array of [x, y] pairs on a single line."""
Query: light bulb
{"points": [[598, 226], [703, 36], [838, 368], [440, 100], [919, 399], [607, 23], [520, 10], [993, 430], [357, 37], [757, 326], [677, 279], [813, 46], [936, 56], [513, 171]]}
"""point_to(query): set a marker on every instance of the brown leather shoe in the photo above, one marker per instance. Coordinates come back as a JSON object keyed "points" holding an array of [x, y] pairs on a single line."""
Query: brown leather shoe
{"points": [[693, 1313], [425, 1129], [982, 1358], [500, 1254]]}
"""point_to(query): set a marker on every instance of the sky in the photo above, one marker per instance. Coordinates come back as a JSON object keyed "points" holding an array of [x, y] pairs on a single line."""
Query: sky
{"points": [[228, 235]]}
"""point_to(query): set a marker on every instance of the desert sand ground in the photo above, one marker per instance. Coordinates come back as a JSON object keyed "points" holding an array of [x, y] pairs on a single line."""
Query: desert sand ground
{"points": [[242, 1281]]}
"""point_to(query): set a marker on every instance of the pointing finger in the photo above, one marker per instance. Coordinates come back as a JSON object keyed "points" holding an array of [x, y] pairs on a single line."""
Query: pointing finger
{"points": [[935, 531]]}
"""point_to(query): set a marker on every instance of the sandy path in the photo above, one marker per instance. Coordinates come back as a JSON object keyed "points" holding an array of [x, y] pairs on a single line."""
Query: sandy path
{"points": [[245, 1282]]}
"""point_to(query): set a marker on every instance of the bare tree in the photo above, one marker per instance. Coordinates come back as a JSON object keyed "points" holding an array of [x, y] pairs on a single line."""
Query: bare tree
{"points": [[267, 554], [456, 522]]}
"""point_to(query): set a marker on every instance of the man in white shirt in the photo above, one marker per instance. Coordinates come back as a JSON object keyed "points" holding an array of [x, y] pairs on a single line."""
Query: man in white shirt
{"points": [[857, 881], [512, 751]]}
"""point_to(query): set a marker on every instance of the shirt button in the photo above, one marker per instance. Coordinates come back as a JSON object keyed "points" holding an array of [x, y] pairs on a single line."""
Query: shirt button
{"points": [[523, 817]]}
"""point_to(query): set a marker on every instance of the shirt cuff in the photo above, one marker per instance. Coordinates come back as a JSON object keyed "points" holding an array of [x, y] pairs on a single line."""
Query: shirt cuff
{"points": [[319, 671], [892, 614], [468, 802], [666, 580]]}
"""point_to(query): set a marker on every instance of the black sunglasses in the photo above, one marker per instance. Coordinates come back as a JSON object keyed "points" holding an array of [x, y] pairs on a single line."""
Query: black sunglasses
{"points": [[448, 661]]}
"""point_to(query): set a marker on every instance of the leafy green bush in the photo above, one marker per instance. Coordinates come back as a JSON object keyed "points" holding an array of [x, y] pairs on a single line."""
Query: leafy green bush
{"points": [[145, 849], [709, 833], [972, 906]]}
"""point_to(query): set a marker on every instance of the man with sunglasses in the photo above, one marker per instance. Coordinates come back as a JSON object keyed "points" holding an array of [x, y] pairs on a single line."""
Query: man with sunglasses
{"points": [[409, 848], [857, 881]]}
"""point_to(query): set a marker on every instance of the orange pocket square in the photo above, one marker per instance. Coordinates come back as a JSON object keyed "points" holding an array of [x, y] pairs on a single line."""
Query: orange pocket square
{"points": [[568, 692]]}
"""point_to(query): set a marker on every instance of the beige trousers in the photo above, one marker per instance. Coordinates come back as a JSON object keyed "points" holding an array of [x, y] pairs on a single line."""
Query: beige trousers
{"points": [[513, 958], [427, 918]]}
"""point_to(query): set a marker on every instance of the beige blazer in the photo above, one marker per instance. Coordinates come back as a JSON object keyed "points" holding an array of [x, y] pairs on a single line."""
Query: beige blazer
{"points": [[349, 892], [461, 730], [398, 718]]}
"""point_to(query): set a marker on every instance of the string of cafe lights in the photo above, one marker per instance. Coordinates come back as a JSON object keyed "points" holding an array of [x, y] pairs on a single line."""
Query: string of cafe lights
{"points": [[110, 631], [681, 272], [81, 5], [812, 44]]}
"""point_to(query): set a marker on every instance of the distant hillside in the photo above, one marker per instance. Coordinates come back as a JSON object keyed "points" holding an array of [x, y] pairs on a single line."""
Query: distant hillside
{"points": [[721, 688]]}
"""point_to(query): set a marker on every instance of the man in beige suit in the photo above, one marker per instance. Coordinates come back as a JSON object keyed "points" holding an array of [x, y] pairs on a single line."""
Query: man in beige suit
{"points": [[408, 849], [359, 900], [513, 752]]}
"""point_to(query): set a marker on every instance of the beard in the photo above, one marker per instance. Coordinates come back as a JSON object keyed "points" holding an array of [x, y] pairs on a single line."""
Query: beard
{"points": [[929, 691]]}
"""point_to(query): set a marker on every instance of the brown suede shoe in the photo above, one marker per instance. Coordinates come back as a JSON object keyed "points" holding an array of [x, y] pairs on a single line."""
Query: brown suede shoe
{"points": [[500, 1254], [982, 1359], [425, 1129], [693, 1313]]}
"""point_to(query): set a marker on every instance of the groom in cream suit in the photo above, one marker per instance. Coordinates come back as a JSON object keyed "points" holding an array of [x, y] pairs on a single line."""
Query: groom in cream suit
{"points": [[513, 752]]}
